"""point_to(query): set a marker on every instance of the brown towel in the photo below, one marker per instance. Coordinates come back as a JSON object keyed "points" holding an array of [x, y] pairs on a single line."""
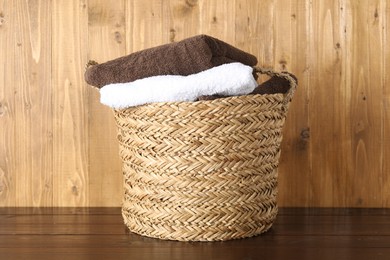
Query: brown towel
{"points": [[185, 57], [272, 86], [212, 97]]}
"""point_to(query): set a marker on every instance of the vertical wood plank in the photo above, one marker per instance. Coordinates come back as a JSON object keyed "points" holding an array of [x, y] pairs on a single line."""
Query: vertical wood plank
{"points": [[365, 176], [328, 104], [148, 25], [184, 18], [7, 119], [386, 104], [36, 108], [70, 109], [106, 33], [254, 29], [28, 72], [216, 19], [282, 40], [291, 50]]}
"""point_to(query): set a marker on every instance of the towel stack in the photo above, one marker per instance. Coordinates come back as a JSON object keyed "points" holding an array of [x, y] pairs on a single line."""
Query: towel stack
{"points": [[197, 68]]}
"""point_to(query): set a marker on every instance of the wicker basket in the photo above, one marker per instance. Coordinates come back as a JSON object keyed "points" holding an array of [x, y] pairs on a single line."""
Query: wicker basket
{"points": [[202, 171]]}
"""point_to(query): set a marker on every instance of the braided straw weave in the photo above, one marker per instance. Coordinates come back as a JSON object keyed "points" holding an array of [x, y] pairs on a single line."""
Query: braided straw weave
{"points": [[202, 171]]}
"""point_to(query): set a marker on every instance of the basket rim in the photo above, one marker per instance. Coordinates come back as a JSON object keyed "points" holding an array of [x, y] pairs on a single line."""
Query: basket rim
{"points": [[204, 102]]}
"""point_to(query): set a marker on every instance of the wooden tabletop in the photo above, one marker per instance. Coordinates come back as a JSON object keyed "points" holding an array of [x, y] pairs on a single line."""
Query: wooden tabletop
{"points": [[99, 233]]}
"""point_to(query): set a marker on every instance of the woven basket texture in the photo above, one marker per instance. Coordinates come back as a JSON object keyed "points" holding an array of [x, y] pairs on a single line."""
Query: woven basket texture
{"points": [[201, 171]]}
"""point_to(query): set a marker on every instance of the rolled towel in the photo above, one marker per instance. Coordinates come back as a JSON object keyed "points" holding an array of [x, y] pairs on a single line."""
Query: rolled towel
{"points": [[185, 57], [228, 80]]}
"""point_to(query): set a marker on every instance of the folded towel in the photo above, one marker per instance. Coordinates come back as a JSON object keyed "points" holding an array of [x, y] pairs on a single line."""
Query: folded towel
{"points": [[274, 85], [211, 97], [228, 79], [185, 57]]}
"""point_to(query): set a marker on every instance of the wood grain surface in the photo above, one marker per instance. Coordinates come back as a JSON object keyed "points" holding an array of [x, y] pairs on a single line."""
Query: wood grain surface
{"points": [[99, 233], [58, 143], [104, 19]]}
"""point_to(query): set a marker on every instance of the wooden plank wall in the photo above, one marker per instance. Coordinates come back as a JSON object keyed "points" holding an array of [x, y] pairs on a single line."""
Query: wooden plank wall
{"points": [[58, 144]]}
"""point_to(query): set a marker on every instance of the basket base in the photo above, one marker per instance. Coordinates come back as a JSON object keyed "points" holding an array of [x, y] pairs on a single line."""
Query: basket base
{"points": [[195, 233]]}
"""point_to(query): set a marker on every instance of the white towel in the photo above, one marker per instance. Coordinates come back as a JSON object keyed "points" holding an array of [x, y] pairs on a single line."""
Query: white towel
{"points": [[228, 79]]}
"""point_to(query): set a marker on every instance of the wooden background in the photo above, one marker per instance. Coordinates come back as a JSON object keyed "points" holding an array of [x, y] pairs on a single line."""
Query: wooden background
{"points": [[58, 143]]}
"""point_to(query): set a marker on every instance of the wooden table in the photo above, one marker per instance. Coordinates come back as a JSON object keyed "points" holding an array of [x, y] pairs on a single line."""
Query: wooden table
{"points": [[99, 233]]}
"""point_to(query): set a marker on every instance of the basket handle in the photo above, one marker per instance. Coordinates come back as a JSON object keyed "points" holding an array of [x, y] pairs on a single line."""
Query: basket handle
{"points": [[284, 75]]}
